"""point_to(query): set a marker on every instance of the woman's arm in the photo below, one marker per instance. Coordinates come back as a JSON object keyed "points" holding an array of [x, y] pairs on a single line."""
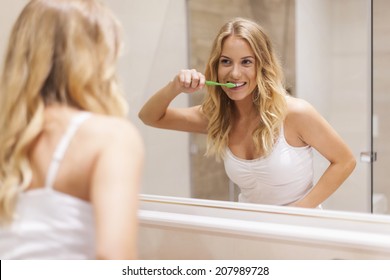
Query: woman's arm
{"points": [[115, 187], [156, 111], [315, 131]]}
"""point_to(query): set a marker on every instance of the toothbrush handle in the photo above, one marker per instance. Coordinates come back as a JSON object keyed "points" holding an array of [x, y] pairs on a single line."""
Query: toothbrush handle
{"points": [[212, 83], [228, 85]]}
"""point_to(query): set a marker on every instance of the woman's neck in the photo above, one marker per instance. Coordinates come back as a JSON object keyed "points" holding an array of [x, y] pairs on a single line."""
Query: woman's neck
{"points": [[245, 110]]}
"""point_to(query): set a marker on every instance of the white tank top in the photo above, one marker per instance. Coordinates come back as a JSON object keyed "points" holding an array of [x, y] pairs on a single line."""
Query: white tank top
{"points": [[50, 224], [283, 177]]}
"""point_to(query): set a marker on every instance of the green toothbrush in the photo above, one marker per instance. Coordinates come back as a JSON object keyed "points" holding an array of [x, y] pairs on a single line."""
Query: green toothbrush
{"points": [[228, 85]]}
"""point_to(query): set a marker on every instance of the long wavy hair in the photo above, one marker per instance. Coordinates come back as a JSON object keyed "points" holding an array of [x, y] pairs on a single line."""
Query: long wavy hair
{"points": [[271, 102], [59, 51]]}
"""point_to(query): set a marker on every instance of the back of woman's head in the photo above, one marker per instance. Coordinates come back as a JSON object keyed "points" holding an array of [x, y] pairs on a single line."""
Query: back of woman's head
{"points": [[60, 51]]}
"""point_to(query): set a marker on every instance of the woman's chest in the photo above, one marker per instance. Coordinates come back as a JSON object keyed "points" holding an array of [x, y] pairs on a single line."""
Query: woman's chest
{"points": [[241, 142]]}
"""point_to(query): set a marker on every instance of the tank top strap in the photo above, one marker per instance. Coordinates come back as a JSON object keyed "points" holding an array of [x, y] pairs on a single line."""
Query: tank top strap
{"points": [[62, 146]]}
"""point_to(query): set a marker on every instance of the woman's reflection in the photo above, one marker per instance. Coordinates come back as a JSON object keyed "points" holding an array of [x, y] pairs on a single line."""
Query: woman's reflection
{"points": [[264, 136]]}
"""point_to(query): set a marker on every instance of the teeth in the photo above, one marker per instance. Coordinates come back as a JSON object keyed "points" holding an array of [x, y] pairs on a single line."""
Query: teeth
{"points": [[239, 84]]}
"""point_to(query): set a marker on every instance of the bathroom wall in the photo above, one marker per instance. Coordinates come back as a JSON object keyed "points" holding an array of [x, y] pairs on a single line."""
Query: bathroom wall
{"points": [[155, 50], [381, 81], [333, 74], [333, 49], [8, 13], [156, 40]]}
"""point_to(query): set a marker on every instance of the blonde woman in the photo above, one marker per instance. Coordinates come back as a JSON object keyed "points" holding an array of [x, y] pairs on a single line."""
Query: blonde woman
{"points": [[265, 137], [70, 162]]}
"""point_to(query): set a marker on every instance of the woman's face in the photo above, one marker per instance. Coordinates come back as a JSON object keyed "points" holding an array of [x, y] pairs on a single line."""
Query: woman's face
{"points": [[237, 64]]}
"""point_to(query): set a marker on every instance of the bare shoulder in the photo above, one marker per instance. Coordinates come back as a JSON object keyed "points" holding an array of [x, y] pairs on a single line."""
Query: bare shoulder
{"points": [[299, 110], [104, 130], [298, 106], [302, 121]]}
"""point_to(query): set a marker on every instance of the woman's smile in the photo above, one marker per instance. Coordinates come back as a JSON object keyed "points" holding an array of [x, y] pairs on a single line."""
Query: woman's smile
{"points": [[238, 84]]}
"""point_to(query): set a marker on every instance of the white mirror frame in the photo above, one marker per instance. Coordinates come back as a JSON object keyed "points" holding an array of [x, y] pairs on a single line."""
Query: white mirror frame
{"points": [[183, 228]]}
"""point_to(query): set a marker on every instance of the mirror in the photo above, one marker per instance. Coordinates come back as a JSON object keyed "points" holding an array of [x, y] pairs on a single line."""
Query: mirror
{"points": [[325, 47], [325, 50]]}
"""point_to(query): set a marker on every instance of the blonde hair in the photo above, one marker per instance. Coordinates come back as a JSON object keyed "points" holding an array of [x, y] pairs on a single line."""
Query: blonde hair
{"points": [[271, 103], [59, 51]]}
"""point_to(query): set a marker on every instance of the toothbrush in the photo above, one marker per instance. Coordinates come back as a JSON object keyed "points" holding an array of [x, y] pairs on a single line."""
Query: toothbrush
{"points": [[228, 85]]}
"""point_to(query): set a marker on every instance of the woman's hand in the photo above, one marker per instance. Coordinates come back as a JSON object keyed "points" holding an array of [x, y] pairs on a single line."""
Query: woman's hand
{"points": [[189, 81], [157, 112]]}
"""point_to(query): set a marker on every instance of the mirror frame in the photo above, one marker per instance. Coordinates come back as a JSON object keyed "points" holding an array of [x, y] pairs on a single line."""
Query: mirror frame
{"points": [[323, 234]]}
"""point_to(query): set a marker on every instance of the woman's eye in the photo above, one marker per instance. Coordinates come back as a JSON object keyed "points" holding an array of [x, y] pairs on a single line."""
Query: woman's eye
{"points": [[224, 61], [247, 62]]}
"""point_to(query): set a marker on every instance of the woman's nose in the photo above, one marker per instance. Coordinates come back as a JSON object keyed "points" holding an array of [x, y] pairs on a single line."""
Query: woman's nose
{"points": [[236, 72]]}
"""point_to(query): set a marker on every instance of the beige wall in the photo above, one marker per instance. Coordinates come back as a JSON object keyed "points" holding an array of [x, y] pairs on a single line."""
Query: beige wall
{"points": [[382, 97], [8, 13], [156, 49], [333, 74], [156, 40]]}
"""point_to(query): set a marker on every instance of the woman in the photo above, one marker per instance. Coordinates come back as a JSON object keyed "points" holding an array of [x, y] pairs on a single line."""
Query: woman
{"points": [[70, 162], [264, 136]]}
